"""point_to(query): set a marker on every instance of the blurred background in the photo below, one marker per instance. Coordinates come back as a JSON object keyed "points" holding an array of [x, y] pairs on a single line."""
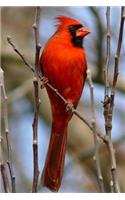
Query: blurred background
{"points": [[80, 170]]}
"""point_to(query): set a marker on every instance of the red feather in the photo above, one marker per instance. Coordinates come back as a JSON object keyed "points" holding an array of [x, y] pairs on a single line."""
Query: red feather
{"points": [[64, 64]]}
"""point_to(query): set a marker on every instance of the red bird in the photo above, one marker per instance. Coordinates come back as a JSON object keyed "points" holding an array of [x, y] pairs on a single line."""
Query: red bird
{"points": [[63, 62]]}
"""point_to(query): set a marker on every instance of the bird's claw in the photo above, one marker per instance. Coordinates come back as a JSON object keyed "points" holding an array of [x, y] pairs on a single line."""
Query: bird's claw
{"points": [[69, 107], [44, 81]]}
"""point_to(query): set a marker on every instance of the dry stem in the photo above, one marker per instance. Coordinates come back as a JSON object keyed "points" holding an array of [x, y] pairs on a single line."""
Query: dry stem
{"points": [[109, 100], [3, 97], [37, 102], [96, 142], [111, 107], [4, 178]]}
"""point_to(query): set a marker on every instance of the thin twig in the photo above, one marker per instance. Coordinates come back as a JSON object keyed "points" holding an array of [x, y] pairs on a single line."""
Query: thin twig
{"points": [[9, 150], [35, 136], [3, 97], [108, 35], [37, 102], [20, 54], [106, 81], [109, 114], [74, 111], [96, 142], [4, 178], [36, 35], [111, 107], [106, 92], [2, 162]]}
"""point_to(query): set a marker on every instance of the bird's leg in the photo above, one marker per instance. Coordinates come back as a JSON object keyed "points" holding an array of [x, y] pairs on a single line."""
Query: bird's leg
{"points": [[44, 80]]}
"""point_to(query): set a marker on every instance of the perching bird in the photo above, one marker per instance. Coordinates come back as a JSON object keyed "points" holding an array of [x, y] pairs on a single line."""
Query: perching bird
{"points": [[63, 62]]}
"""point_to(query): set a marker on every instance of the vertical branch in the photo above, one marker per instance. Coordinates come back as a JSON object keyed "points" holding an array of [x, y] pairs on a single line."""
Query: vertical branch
{"points": [[96, 156], [4, 178], [106, 81], [9, 151], [108, 53], [112, 98], [107, 98], [106, 95], [37, 103], [110, 106], [37, 44], [117, 56], [2, 161]]}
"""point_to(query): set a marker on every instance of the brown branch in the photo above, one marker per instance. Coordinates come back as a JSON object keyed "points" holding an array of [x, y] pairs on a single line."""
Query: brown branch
{"points": [[74, 111], [9, 150], [106, 92], [118, 51], [37, 103], [6, 132], [109, 105], [20, 54], [36, 35], [96, 142], [35, 136], [4, 178], [106, 81], [13, 178], [108, 53]]}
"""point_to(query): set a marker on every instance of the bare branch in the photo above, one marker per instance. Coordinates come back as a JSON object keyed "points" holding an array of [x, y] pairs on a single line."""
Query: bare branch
{"points": [[108, 53], [6, 132], [20, 54], [106, 81], [4, 178], [36, 35], [111, 107], [118, 51], [35, 136], [109, 100], [2, 161], [37, 102], [96, 142], [9, 150], [106, 92]]}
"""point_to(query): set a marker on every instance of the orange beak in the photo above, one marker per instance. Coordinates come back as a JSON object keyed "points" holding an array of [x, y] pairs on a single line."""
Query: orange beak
{"points": [[82, 32]]}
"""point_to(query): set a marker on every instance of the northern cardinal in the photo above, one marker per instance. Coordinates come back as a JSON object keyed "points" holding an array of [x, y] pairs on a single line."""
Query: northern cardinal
{"points": [[63, 62]]}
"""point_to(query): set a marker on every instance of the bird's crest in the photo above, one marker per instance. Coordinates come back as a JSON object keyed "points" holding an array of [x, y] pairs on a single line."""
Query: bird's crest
{"points": [[63, 21]]}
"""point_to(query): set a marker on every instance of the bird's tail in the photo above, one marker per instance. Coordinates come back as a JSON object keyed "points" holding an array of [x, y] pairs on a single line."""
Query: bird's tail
{"points": [[54, 165]]}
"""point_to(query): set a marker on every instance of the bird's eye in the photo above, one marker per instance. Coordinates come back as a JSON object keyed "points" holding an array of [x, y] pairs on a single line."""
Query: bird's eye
{"points": [[73, 28]]}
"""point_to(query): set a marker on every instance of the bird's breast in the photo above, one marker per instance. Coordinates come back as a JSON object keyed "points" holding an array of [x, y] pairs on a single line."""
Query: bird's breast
{"points": [[65, 67]]}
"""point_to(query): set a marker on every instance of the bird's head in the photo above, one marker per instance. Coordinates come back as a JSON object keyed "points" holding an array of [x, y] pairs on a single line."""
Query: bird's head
{"points": [[75, 29]]}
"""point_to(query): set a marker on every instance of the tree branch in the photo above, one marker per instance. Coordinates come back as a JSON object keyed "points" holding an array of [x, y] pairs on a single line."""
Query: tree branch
{"points": [[4, 98], [4, 178], [96, 142], [109, 102], [37, 102]]}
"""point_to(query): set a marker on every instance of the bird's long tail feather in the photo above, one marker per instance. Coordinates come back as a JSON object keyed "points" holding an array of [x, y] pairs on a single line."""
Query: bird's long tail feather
{"points": [[54, 165]]}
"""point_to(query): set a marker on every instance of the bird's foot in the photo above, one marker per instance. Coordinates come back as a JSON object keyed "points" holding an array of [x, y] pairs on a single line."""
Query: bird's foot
{"points": [[44, 81], [69, 107]]}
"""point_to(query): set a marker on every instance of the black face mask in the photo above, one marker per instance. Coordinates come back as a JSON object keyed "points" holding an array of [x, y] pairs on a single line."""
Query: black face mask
{"points": [[77, 41]]}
